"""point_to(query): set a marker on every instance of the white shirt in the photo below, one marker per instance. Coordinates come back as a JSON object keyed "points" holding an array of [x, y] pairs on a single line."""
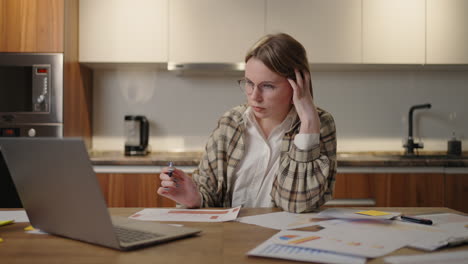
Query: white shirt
{"points": [[255, 174]]}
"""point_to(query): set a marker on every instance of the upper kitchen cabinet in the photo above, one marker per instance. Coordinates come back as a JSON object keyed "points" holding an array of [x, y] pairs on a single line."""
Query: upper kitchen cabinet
{"points": [[393, 32], [329, 30], [217, 31], [51, 26], [447, 32], [123, 30], [31, 25]]}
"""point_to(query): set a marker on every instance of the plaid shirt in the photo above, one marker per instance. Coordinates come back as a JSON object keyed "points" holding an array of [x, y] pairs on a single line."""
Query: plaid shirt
{"points": [[305, 179]]}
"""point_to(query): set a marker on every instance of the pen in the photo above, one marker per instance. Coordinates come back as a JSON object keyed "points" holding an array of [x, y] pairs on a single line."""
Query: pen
{"points": [[171, 168], [416, 220]]}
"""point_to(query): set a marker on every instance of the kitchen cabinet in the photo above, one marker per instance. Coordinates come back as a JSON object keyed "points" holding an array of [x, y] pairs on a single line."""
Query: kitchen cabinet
{"points": [[387, 187], [415, 190], [392, 189], [393, 32], [360, 187], [31, 25], [329, 30], [52, 26], [132, 190], [456, 191], [123, 31], [447, 33], [214, 31]]}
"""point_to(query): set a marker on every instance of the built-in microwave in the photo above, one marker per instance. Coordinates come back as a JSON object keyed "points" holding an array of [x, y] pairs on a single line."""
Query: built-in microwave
{"points": [[31, 94]]}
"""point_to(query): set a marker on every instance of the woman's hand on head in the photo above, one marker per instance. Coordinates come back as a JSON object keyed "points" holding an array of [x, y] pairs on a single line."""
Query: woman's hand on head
{"points": [[179, 187], [304, 103]]}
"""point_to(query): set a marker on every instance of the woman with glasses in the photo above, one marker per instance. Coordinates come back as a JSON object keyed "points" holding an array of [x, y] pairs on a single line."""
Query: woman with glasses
{"points": [[278, 149]]}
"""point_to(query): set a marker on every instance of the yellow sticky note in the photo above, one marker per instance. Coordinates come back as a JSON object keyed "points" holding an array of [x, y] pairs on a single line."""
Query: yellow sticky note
{"points": [[1, 240], [372, 213], [29, 228], [6, 222]]}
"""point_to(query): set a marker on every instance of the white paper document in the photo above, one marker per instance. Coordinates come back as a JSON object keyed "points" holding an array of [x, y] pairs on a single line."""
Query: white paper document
{"points": [[278, 247], [19, 216], [283, 220], [425, 237], [405, 233], [187, 215], [451, 228], [434, 258], [360, 243]]}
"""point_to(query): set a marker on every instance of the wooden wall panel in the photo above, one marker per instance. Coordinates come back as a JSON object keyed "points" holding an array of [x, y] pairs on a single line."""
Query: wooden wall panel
{"points": [[77, 108], [31, 25]]}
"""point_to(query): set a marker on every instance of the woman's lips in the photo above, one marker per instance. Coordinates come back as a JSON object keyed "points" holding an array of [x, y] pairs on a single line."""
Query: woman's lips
{"points": [[258, 109]]}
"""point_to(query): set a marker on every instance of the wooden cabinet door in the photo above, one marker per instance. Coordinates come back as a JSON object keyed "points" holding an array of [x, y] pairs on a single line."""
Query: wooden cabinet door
{"points": [[360, 186], [31, 25], [123, 31], [132, 190], [394, 31], [214, 31], [456, 192], [415, 189], [447, 33], [393, 189], [329, 30]]}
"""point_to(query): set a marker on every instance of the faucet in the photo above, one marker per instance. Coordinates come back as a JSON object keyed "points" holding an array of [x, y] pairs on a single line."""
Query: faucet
{"points": [[410, 145]]}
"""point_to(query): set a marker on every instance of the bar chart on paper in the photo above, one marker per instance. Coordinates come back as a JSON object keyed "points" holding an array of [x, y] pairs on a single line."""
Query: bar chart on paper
{"points": [[272, 250]]}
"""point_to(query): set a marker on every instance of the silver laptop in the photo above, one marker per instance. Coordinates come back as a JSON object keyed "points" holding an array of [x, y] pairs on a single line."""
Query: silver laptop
{"points": [[61, 195]]}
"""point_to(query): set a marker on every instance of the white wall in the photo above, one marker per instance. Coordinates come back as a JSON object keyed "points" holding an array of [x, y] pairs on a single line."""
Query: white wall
{"points": [[370, 107]]}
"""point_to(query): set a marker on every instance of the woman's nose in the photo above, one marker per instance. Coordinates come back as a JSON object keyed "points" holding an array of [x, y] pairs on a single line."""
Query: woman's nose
{"points": [[256, 94]]}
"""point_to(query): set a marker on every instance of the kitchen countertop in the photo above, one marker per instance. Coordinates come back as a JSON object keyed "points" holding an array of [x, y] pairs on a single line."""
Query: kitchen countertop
{"points": [[154, 158], [345, 159]]}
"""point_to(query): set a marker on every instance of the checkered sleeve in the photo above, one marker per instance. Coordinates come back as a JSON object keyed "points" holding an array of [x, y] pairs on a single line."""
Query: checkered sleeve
{"points": [[205, 175], [306, 178], [223, 152]]}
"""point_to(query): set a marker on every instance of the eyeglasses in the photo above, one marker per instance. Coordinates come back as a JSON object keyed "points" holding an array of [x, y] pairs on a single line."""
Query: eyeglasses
{"points": [[248, 87]]}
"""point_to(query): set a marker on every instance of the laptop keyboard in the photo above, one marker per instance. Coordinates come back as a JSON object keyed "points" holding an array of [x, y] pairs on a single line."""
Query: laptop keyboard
{"points": [[129, 235]]}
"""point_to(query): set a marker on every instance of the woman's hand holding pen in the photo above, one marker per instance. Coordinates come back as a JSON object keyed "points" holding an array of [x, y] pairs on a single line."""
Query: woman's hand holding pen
{"points": [[180, 187], [304, 103]]}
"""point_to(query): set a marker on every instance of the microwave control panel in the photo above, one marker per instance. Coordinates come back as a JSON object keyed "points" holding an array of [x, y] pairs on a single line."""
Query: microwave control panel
{"points": [[32, 130], [9, 132], [41, 95]]}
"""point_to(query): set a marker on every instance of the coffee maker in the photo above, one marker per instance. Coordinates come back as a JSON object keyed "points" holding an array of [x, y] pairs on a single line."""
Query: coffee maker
{"points": [[136, 135]]}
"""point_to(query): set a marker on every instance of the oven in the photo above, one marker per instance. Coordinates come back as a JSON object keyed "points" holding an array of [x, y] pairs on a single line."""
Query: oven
{"points": [[31, 94]]}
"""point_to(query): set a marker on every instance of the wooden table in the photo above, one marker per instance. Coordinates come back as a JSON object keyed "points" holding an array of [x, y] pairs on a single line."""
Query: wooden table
{"points": [[226, 242]]}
